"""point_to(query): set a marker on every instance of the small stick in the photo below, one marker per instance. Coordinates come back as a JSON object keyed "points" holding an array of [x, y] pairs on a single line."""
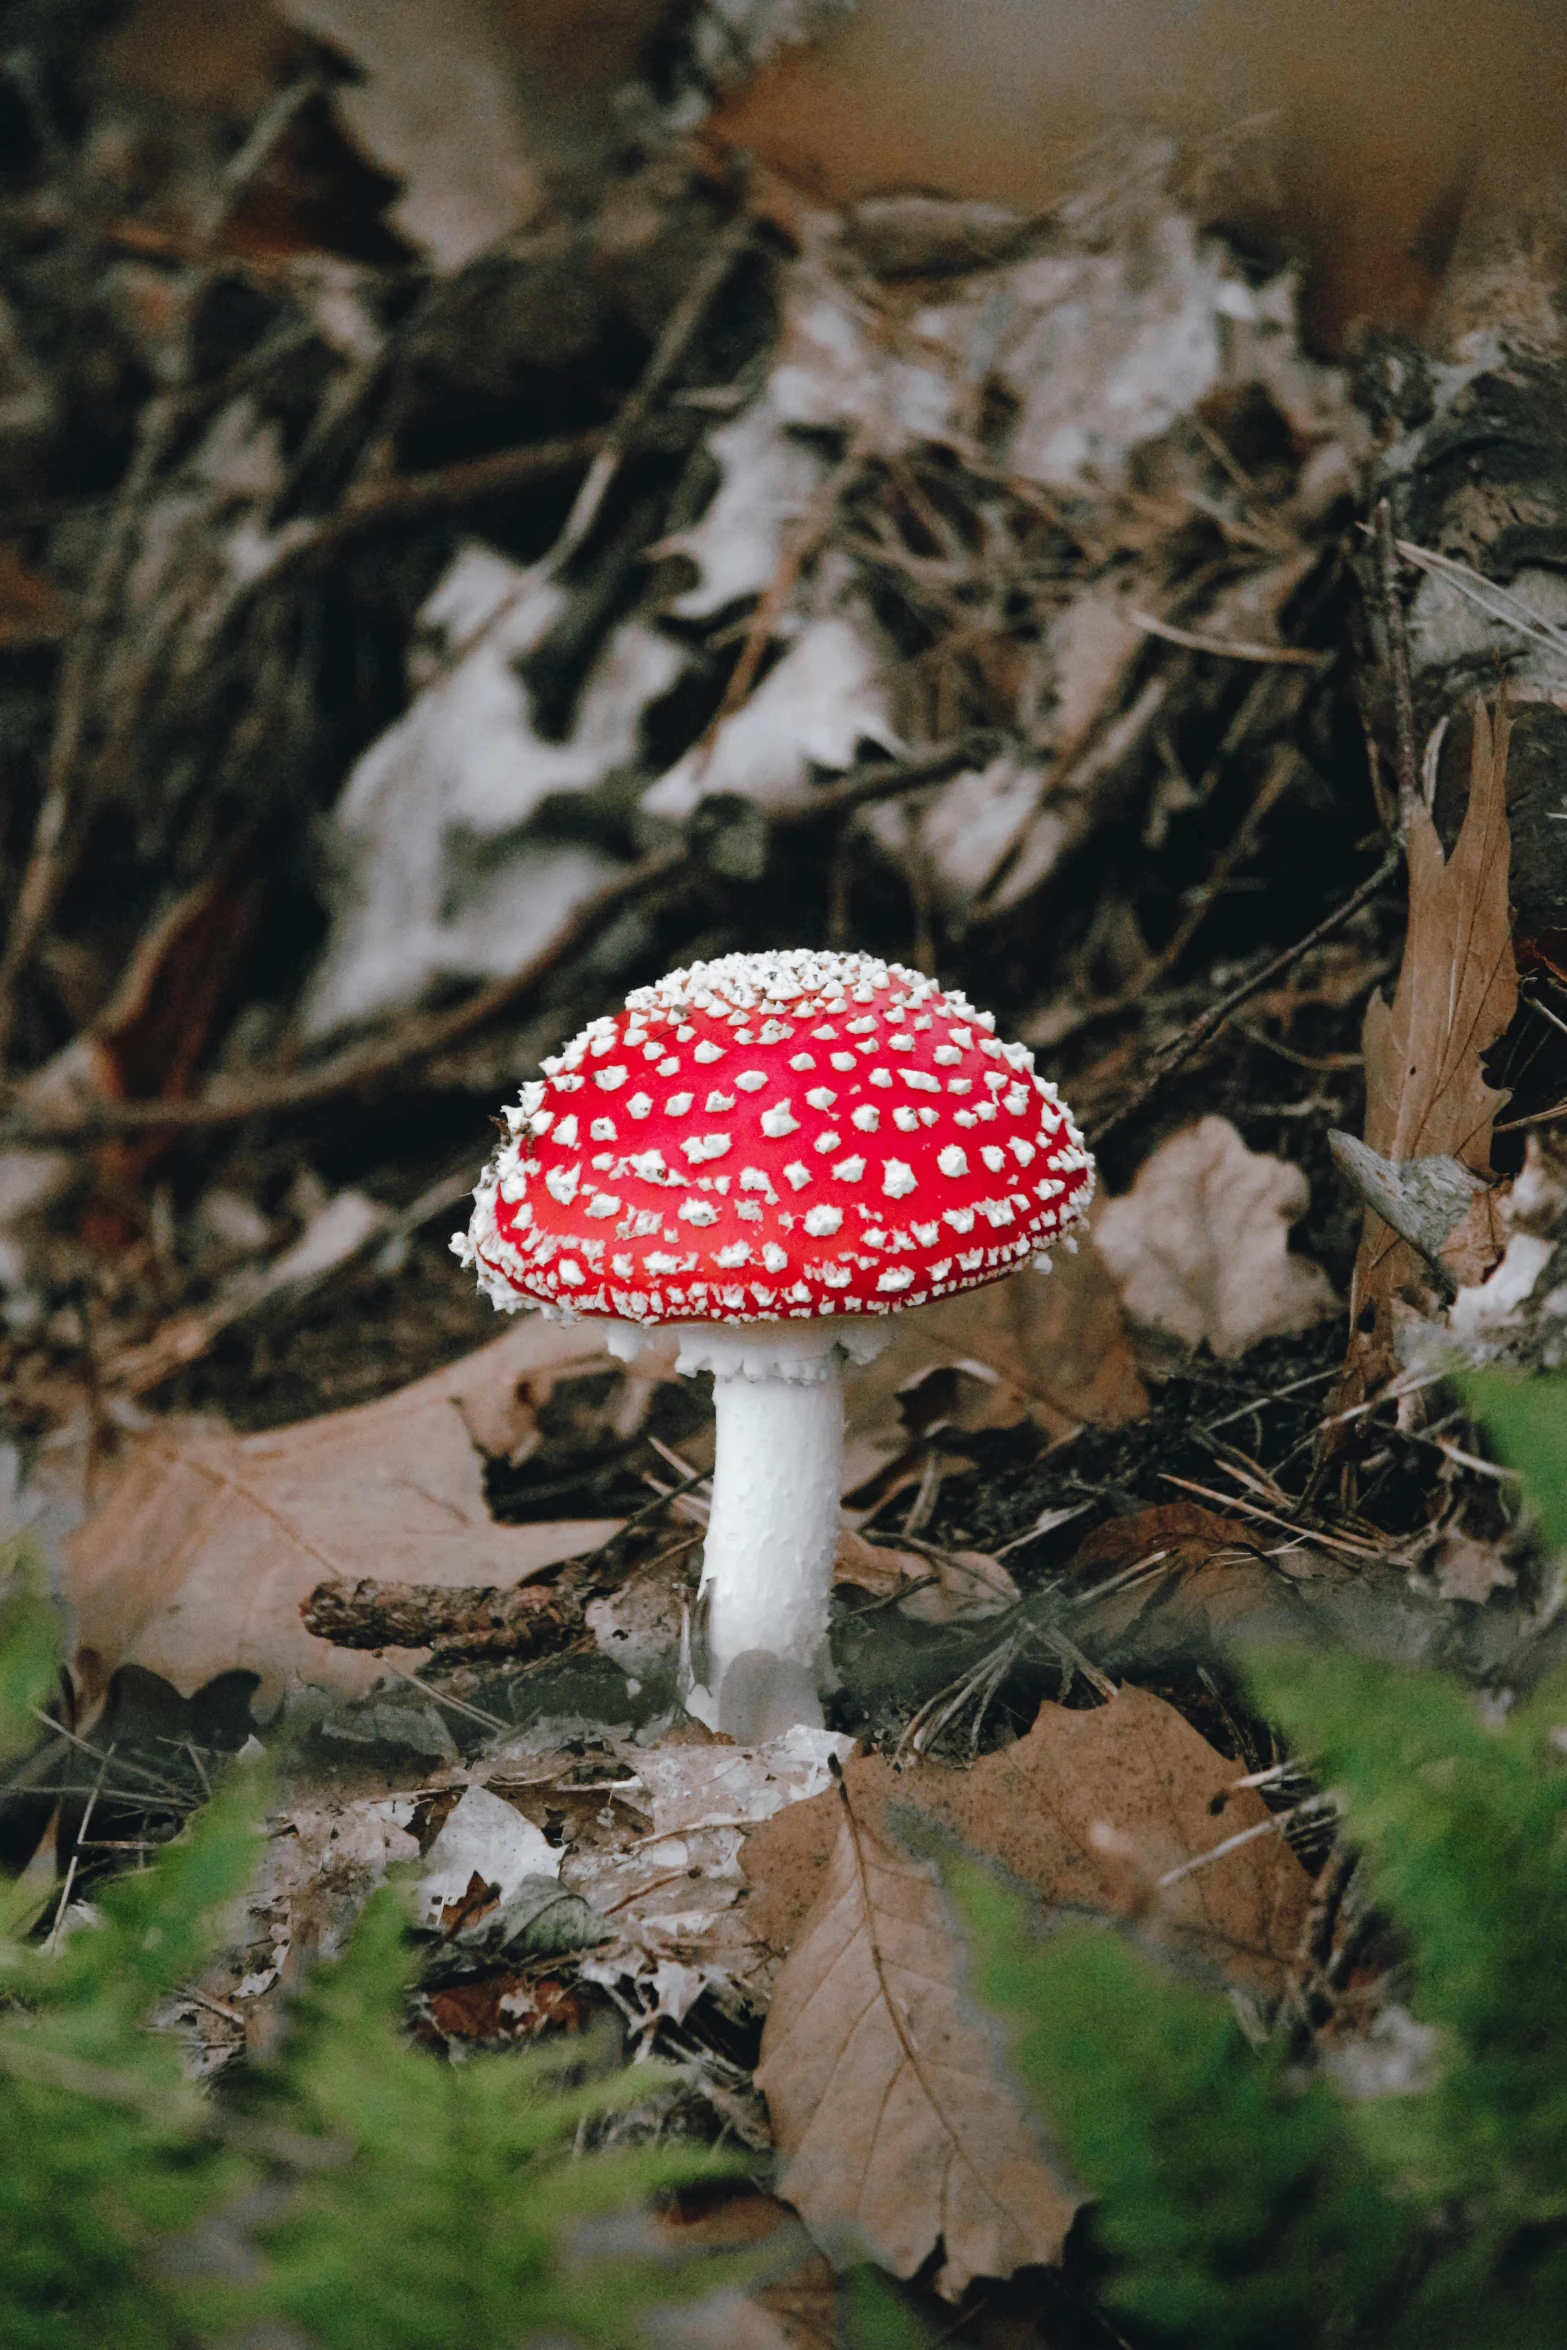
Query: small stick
{"points": [[1408, 763], [1176, 1054]]}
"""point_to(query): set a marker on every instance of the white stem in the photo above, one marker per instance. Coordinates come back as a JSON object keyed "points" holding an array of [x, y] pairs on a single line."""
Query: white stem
{"points": [[773, 1533], [768, 1561]]}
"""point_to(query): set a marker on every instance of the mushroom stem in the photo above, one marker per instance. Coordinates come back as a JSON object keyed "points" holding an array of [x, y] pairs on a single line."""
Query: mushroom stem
{"points": [[768, 1561], [767, 1564]]}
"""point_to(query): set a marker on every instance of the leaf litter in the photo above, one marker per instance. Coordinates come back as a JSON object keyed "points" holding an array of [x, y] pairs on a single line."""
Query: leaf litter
{"points": [[1109, 552]]}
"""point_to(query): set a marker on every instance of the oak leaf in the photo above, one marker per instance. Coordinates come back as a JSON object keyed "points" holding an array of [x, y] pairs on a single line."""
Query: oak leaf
{"points": [[1426, 1089], [205, 1542], [1200, 1244], [888, 2099]]}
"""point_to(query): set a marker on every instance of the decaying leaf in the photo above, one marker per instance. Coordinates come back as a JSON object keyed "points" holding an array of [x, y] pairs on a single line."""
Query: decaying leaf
{"points": [[885, 2091], [205, 1543], [1099, 1813], [1200, 1244], [1426, 1092], [1052, 1351], [436, 102]]}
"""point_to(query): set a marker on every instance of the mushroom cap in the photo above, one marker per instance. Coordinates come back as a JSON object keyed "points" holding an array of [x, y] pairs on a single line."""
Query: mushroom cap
{"points": [[771, 1137]]}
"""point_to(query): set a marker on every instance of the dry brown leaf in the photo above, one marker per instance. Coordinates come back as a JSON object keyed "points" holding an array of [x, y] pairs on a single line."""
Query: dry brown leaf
{"points": [[1090, 1810], [205, 1543], [885, 2092], [1470, 1569], [1426, 1092], [1204, 1573], [1051, 1350], [439, 104], [1200, 1244]]}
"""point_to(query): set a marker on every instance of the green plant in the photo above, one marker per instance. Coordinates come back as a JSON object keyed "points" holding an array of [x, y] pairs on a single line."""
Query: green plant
{"points": [[1242, 2203], [408, 2204]]}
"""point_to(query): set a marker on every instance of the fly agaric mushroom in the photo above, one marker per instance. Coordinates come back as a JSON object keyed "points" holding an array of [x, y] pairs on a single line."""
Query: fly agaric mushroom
{"points": [[769, 1152]]}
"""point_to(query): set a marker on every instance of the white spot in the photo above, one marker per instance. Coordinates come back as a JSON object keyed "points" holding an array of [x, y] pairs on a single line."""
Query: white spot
{"points": [[867, 1118], [898, 1179], [566, 1134], [753, 1179], [777, 1122], [905, 1119], [603, 1203], [961, 1219], [1022, 1151], [837, 1276], [899, 1277], [640, 1104], [611, 1080], [920, 1081], [881, 1077], [716, 1103], [797, 1176], [748, 1212], [698, 1211], [901, 1043], [706, 1146], [802, 1061], [927, 1234], [561, 1183], [994, 1158], [707, 1052], [849, 1170], [964, 1036], [828, 1141], [865, 1027], [823, 1220], [824, 1032], [970, 1259], [774, 1258], [947, 1056], [842, 1062], [602, 1130], [997, 1212], [737, 1253], [960, 1085], [678, 1104], [669, 1064], [953, 1160], [1018, 1099], [821, 1097], [928, 1117], [623, 1267], [751, 1080], [658, 1263], [650, 1166]]}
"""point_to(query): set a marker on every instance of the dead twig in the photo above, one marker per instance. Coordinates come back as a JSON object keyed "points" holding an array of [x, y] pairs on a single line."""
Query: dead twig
{"points": [[426, 1035], [1231, 649], [1408, 763], [1191, 1040]]}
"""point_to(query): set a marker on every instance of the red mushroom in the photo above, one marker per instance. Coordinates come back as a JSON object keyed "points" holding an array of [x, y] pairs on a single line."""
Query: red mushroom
{"points": [[769, 1151]]}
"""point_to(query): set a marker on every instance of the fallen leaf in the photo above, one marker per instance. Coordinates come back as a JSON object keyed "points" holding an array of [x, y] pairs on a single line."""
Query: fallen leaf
{"points": [[1426, 1090], [483, 1837], [1049, 1350], [205, 1543], [1094, 1812], [1203, 1573], [506, 2007], [901, 2128], [1200, 1244], [436, 102], [1470, 1569]]}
